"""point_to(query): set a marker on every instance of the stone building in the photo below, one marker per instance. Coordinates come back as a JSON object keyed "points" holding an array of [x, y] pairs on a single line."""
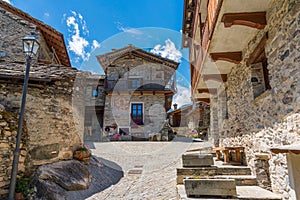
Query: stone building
{"points": [[54, 122], [244, 61], [198, 117], [139, 87], [94, 107], [177, 115]]}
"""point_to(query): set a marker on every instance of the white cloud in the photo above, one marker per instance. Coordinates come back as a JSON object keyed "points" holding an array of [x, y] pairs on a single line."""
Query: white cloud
{"points": [[46, 15], [95, 45], [130, 30], [7, 1], [77, 43], [183, 96], [167, 51]]}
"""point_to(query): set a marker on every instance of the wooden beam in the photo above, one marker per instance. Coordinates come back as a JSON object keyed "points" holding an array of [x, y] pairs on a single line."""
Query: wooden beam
{"points": [[254, 19], [234, 57], [204, 100], [215, 77], [212, 91], [259, 52]]}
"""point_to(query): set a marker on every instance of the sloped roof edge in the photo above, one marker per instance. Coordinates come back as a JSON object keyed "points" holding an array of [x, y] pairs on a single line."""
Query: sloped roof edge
{"points": [[106, 59]]}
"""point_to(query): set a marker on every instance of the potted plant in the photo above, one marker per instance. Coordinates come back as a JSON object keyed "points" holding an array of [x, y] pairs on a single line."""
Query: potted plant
{"points": [[21, 188], [83, 153]]}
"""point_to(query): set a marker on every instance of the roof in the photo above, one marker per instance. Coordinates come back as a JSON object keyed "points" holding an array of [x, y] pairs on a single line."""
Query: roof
{"points": [[188, 20], [52, 37], [106, 59], [43, 73], [182, 108]]}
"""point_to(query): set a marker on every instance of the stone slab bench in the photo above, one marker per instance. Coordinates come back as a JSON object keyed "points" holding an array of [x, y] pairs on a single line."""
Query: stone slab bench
{"points": [[210, 187], [210, 172], [226, 150], [197, 160]]}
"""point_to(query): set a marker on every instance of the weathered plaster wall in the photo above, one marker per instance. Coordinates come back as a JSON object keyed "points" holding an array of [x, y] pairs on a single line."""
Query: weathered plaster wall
{"points": [[272, 118]]}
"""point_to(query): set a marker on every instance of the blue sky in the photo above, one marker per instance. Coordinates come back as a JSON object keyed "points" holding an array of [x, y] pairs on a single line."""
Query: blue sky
{"points": [[94, 27]]}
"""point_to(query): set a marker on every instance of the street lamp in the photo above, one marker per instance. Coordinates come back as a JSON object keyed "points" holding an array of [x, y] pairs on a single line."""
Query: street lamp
{"points": [[30, 48]]}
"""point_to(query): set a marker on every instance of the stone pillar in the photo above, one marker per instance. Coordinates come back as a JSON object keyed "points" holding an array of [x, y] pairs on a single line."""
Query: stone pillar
{"points": [[293, 161], [261, 164], [214, 122]]}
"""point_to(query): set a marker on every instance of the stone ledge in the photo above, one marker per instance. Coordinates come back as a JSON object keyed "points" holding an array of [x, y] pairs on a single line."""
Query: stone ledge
{"points": [[243, 192]]}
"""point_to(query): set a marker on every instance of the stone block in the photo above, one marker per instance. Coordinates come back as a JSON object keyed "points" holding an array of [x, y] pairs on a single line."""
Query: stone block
{"points": [[197, 160], [45, 152], [210, 187]]}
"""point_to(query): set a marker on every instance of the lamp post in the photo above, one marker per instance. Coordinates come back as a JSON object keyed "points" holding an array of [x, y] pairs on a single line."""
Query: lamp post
{"points": [[30, 48]]}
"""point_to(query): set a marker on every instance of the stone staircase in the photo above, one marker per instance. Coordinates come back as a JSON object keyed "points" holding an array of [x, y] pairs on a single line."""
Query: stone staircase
{"points": [[203, 177]]}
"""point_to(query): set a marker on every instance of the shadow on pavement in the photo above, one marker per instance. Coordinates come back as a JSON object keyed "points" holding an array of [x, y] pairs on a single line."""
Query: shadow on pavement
{"points": [[104, 174]]}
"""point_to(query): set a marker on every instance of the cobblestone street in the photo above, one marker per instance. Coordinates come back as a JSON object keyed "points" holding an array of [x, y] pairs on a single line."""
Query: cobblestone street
{"points": [[149, 167]]}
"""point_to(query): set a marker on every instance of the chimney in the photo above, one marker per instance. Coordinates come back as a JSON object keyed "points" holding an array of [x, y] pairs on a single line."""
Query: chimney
{"points": [[175, 106]]}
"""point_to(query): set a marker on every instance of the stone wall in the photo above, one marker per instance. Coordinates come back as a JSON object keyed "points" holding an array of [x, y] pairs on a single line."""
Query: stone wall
{"points": [[272, 118], [54, 108], [8, 132], [50, 122], [213, 134], [13, 30], [12, 33], [154, 112]]}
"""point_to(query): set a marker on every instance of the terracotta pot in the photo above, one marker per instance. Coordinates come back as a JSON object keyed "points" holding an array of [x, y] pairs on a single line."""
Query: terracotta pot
{"points": [[19, 196], [82, 155]]}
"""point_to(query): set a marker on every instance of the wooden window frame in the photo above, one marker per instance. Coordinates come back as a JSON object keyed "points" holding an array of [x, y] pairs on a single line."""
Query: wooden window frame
{"points": [[135, 119]]}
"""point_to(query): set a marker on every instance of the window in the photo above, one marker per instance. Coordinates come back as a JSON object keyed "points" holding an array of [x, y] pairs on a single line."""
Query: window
{"points": [[259, 68], [137, 113], [259, 78], [95, 92], [135, 83]]}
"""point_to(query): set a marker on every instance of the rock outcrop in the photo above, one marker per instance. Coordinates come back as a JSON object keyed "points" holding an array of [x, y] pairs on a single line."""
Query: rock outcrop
{"points": [[73, 179]]}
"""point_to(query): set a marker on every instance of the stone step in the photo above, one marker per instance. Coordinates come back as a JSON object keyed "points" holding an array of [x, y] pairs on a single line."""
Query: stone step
{"points": [[255, 193], [243, 193], [211, 171], [240, 180], [210, 187], [195, 159]]}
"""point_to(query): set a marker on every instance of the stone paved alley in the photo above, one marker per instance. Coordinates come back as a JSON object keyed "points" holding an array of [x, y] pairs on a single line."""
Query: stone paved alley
{"points": [[149, 167]]}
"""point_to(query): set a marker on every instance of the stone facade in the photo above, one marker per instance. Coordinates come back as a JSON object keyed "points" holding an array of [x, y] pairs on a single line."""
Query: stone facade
{"points": [[8, 132], [13, 30], [94, 107], [260, 118], [154, 114], [55, 103], [136, 77], [50, 113]]}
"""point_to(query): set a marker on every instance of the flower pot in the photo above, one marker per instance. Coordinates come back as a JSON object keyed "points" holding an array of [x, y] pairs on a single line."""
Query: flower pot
{"points": [[19, 196], [82, 155]]}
